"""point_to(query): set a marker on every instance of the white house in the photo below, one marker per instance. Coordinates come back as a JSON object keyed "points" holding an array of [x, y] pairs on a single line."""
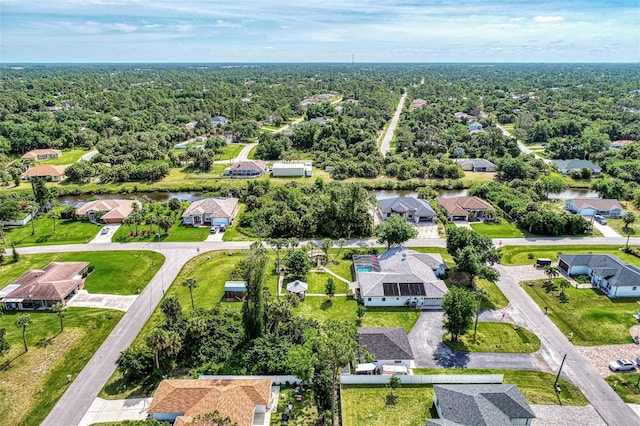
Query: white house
{"points": [[390, 346], [210, 212], [291, 170], [399, 277], [592, 206], [608, 273]]}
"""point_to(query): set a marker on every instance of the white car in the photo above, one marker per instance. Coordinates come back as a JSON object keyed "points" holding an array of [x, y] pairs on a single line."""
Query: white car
{"points": [[622, 365], [104, 231]]}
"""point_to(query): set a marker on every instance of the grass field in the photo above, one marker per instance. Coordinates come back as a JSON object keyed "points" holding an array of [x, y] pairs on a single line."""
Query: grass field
{"points": [[32, 382], [496, 337], [592, 317], [318, 280], [518, 255], [230, 152], [496, 299], [536, 386], [626, 388], [67, 157], [116, 272], [503, 229], [177, 233], [67, 232], [368, 405]]}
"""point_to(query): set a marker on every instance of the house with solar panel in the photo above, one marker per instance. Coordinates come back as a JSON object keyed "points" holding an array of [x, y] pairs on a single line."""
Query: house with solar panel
{"points": [[400, 277]]}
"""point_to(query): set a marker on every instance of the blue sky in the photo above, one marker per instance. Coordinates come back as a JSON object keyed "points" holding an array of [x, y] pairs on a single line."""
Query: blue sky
{"points": [[319, 31]]}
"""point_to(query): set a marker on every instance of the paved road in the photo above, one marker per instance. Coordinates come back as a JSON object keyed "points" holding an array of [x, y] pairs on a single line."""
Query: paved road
{"points": [[242, 155], [89, 155], [525, 149], [386, 141], [577, 368]]}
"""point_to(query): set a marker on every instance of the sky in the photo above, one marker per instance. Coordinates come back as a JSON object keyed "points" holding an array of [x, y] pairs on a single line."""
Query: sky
{"points": [[207, 31]]}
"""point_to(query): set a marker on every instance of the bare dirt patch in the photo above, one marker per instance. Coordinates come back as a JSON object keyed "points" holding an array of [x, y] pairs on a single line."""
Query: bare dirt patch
{"points": [[21, 381]]}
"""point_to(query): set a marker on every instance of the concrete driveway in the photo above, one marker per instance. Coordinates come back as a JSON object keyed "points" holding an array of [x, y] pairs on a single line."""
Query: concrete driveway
{"points": [[108, 301], [111, 411], [606, 230], [215, 237], [105, 238], [427, 230]]}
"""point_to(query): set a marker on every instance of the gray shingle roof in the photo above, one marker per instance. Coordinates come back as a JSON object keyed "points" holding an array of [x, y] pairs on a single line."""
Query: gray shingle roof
{"points": [[482, 405], [565, 166], [403, 204], [386, 342], [615, 271], [476, 163]]}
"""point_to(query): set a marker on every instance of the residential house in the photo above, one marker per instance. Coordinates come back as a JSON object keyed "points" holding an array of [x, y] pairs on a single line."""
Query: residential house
{"points": [[320, 120], [390, 345], [480, 405], [40, 154], [108, 211], [411, 208], [566, 166], [418, 103], [399, 277], [477, 165], [464, 117], [45, 171], [464, 208], [219, 120], [291, 170], [235, 290], [608, 273], [245, 401], [475, 127], [210, 212], [42, 288], [595, 206], [246, 169], [620, 144]]}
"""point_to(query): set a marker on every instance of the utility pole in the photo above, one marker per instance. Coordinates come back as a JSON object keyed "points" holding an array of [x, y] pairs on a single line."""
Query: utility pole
{"points": [[555, 384]]}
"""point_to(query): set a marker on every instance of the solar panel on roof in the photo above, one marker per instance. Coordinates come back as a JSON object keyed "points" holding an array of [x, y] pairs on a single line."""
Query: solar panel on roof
{"points": [[390, 289], [412, 289]]}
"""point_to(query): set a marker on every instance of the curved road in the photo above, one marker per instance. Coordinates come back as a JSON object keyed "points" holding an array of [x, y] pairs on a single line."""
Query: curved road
{"points": [[70, 409]]}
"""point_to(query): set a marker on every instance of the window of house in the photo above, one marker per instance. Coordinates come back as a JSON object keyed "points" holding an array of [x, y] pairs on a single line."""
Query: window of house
{"points": [[383, 299], [634, 288], [369, 299]]}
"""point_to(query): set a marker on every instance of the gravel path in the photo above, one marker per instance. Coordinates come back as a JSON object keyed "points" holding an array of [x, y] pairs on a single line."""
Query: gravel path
{"points": [[558, 415], [601, 356]]}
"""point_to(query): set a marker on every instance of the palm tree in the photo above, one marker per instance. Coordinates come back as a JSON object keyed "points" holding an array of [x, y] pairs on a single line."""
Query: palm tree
{"points": [[628, 218], [157, 340], [191, 283], [59, 309], [564, 284], [481, 294], [127, 221], [54, 215], [33, 210], [23, 320], [552, 272]]}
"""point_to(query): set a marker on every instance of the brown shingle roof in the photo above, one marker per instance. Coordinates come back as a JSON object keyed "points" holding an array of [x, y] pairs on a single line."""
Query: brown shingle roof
{"points": [[602, 204], [45, 170], [54, 282], [233, 398], [115, 208], [216, 207], [458, 206]]}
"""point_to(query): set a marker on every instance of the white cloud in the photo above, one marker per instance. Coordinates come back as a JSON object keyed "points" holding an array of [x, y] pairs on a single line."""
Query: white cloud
{"points": [[548, 18]]}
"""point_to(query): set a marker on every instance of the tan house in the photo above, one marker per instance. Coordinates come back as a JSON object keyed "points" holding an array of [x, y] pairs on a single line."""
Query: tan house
{"points": [[244, 401], [42, 288], [40, 154], [211, 212], [476, 165], [109, 211], [464, 208], [45, 171]]}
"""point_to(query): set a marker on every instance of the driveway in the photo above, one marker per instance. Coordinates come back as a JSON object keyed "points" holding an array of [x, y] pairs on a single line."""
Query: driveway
{"points": [[427, 230], [606, 230], [429, 351], [111, 411], [462, 224], [89, 155], [215, 237], [105, 238], [108, 301]]}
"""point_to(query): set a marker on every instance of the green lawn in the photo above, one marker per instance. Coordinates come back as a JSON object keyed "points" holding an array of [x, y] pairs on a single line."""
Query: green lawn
{"points": [[518, 255], [369, 405], [177, 233], [536, 386], [318, 280], [503, 229], [67, 232], [626, 388], [592, 317], [322, 308], [67, 157], [32, 382], [391, 317], [496, 299], [496, 337], [304, 412], [230, 152], [210, 270], [116, 272], [341, 267]]}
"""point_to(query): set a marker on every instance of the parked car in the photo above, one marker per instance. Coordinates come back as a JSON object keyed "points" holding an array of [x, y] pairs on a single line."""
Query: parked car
{"points": [[600, 219], [214, 229], [222, 228], [104, 231], [622, 365], [638, 361]]}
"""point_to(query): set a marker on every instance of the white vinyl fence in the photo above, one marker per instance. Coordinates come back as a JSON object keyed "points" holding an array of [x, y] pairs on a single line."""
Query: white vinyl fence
{"points": [[277, 380], [427, 379]]}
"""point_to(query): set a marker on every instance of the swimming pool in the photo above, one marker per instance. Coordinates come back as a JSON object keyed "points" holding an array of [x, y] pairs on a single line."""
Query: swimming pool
{"points": [[363, 268]]}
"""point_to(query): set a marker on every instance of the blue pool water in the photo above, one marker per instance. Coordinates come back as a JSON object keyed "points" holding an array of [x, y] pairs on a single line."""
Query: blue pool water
{"points": [[363, 268]]}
